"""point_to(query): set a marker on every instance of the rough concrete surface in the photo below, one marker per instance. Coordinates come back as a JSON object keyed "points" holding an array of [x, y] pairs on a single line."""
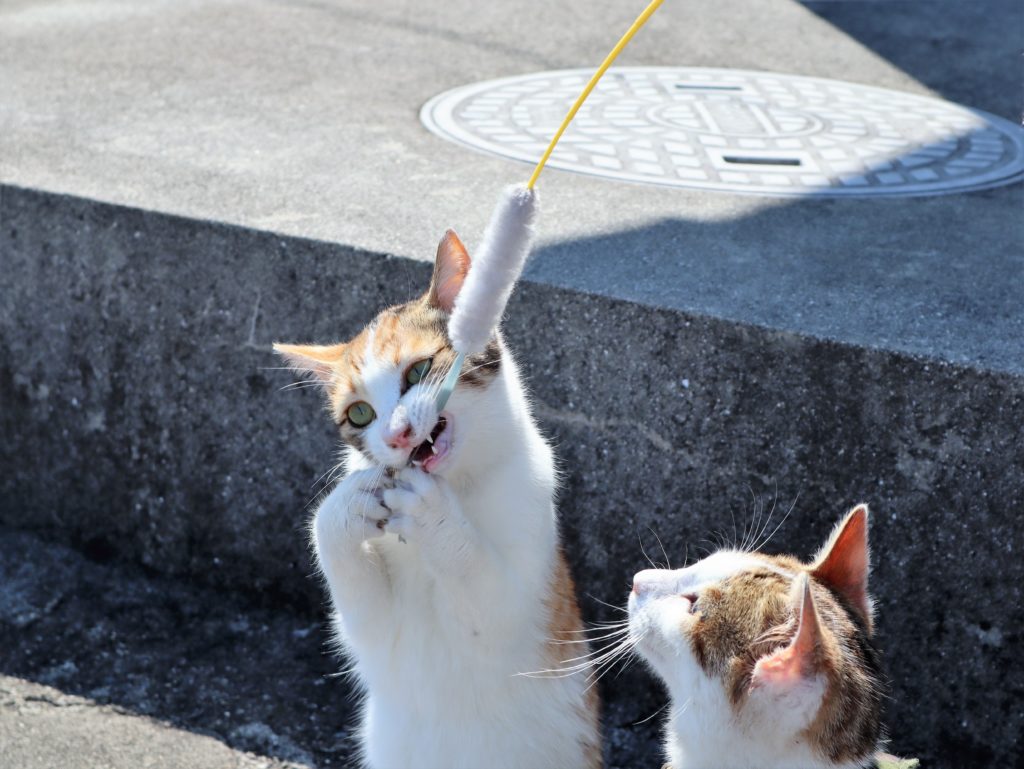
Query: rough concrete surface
{"points": [[104, 666], [695, 357], [958, 50], [143, 420], [301, 118], [42, 728]]}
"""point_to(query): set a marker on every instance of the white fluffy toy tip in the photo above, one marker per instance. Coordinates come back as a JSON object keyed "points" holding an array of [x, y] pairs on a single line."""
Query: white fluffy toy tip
{"points": [[495, 269]]}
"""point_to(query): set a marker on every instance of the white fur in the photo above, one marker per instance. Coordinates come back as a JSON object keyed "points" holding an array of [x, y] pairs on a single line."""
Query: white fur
{"points": [[496, 266], [439, 626], [703, 731]]}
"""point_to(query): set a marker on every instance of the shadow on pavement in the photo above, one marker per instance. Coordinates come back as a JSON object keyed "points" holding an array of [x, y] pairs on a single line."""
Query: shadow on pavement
{"points": [[968, 52]]}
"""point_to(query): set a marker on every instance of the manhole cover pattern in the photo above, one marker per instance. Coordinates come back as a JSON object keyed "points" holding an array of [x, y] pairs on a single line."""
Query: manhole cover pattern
{"points": [[738, 131]]}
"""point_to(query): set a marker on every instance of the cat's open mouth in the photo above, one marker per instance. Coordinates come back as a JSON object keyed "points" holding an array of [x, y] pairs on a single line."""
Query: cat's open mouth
{"points": [[434, 450]]}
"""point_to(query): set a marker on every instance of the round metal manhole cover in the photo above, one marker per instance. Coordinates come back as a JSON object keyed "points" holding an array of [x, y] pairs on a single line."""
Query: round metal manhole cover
{"points": [[736, 131]]}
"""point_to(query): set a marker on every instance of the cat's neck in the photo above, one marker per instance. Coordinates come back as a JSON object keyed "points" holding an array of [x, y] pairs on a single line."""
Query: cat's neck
{"points": [[695, 739]]}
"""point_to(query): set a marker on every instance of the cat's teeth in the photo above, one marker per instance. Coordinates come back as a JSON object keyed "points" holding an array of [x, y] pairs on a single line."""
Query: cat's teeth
{"points": [[430, 439], [433, 449]]}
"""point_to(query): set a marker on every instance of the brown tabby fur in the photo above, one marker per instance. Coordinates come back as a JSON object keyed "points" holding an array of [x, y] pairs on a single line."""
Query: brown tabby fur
{"points": [[751, 615]]}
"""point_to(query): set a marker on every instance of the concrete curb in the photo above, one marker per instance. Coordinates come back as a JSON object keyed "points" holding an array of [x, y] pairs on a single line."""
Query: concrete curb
{"points": [[140, 423]]}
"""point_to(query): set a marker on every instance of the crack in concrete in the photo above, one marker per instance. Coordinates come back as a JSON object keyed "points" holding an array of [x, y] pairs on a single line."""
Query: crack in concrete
{"points": [[251, 343], [578, 419]]}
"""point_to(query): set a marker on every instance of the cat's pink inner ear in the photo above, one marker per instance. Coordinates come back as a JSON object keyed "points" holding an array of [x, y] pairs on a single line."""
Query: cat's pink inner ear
{"points": [[450, 269], [315, 359], [802, 658], [844, 562]]}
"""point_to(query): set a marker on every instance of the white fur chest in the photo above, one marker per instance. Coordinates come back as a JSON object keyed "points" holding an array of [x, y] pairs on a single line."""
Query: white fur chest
{"points": [[440, 646]]}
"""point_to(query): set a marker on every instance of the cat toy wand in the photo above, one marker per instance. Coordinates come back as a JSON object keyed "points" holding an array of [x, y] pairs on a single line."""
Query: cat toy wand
{"points": [[506, 244]]}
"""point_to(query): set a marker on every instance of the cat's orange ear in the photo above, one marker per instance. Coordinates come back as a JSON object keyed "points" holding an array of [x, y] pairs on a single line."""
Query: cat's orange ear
{"points": [[803, 658], [450, 268], [844, 562], [315, 359]]}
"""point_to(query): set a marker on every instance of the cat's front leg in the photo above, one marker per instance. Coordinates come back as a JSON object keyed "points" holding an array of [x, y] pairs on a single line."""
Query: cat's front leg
{"points": [[426, 512], [345, 523]]}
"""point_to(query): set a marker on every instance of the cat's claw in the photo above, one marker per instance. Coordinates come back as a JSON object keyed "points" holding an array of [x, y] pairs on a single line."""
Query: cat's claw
{"points": [[400, 524], [417, 499], [354, 511]]}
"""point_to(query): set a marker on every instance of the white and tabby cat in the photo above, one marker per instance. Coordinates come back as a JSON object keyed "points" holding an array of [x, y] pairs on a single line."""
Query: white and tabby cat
{"points": [[769, 662], [441, 551]]}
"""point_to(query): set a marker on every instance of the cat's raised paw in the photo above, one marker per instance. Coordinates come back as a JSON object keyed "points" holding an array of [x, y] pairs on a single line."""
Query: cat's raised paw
{"points": [[416, 500], [354, 510]]}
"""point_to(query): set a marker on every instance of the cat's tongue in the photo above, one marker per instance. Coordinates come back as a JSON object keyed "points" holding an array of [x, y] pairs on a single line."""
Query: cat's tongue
{"points": [[433, 451], [434, 460]]}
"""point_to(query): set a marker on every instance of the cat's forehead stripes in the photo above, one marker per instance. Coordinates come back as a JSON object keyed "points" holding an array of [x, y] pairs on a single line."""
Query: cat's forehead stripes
{"points": [[735, 612], [400, 334], [748, 613], [398, 337], [393, 336]]}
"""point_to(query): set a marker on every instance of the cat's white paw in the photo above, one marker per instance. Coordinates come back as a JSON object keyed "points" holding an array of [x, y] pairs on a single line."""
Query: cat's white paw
{"points": [[353, 511], [418, 501]]}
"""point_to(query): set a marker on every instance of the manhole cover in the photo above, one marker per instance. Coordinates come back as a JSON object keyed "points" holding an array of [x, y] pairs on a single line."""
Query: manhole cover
{"points": [[737, 131]]}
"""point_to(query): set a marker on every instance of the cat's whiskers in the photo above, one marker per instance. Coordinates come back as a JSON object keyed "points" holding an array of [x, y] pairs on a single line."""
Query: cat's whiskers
{"points": [[707, 550], [589, 639], [668, 561], [565, 672], [598, 626], [331, 475], [765, 525], [779, 526], [583, 661], [600, 651], [474, 368], [719, 540], [748, 534], [605, 603], [331, 472], [598, 662], [641, 541], [655, 713], [438, 377], [302, 384], [623, 651]]}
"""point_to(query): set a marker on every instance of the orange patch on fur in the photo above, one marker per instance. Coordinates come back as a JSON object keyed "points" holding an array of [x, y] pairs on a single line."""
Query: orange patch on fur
{"points": [[751, 623], [565, 624]]}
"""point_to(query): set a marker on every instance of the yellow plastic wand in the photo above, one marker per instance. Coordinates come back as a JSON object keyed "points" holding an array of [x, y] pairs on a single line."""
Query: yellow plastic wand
{"points": [[452, 378], [611, 57]]}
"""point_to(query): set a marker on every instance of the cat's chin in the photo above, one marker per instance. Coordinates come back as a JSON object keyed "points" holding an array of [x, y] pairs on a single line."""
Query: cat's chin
{"points": [[433, 453]]}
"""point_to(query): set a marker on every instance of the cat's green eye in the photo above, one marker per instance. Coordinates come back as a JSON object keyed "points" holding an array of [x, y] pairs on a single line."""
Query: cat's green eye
{"points": [[417, 371], [360, 414]]}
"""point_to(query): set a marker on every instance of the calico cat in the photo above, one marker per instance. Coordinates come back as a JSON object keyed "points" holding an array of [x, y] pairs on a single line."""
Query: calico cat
{"points": [[441, 552], [769, 661]]}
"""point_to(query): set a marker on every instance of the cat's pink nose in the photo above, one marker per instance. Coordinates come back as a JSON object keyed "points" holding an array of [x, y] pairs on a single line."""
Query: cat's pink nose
{"points": [[402, 440]]}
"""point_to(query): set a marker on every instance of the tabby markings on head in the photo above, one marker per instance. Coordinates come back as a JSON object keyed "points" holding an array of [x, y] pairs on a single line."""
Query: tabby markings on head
{"points": [[788, 646]]}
